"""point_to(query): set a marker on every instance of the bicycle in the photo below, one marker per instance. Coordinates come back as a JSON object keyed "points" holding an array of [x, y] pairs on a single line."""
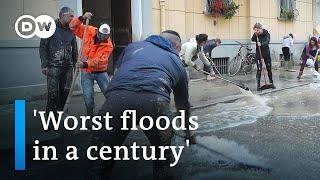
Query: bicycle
{"points": [[241, 61]]}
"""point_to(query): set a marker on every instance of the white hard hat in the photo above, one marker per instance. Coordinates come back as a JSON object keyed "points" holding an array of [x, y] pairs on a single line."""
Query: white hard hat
{"points": [[104, 29]]}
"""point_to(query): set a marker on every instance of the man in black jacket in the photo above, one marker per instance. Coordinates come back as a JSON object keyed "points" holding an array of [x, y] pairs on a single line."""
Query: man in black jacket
{"points": [[263, 43], [210, 45], [58, 55]]}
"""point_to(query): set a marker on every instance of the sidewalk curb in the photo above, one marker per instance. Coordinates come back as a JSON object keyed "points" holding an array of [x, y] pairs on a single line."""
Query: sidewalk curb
{"points": [[217, 101], [282, 89], [236, 97]]}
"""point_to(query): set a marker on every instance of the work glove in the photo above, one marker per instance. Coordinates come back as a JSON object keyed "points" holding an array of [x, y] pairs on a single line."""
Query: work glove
{"points": [[79, 64], [212, 74], [44, 71], [87, 15], [198, 68]]}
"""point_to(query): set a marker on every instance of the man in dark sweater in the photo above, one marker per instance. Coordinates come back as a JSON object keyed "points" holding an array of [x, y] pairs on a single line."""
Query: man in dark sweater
{"points": [[148, 71], [58, 55], [210, 45], [263, 43]]}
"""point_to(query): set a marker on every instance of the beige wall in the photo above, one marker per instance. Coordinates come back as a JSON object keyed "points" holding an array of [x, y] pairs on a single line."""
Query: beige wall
{"points": [[186, 17], [267, 12], [15, 8]]}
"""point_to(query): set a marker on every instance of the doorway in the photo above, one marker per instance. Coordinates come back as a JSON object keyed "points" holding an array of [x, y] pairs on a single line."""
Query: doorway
{"points": [[118, 15]]}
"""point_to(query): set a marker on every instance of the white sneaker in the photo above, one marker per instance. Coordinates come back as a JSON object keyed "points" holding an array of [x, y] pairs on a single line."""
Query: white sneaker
{"points": [[209, 78]]}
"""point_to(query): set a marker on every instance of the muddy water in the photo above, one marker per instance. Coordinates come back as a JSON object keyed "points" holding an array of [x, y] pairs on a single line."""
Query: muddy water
{"points": [[302, 101], [225, 115], [280, 132]]}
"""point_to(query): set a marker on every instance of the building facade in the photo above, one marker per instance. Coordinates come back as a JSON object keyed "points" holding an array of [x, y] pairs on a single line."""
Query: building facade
{"points": [[189, 20]]}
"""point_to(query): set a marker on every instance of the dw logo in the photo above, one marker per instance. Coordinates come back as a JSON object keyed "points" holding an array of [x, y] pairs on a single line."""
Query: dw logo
{"points": [[27, 26]]}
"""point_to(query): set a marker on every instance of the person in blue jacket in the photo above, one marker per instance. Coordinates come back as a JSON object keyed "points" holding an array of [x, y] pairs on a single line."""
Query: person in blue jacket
{"points": [[147, 72]]}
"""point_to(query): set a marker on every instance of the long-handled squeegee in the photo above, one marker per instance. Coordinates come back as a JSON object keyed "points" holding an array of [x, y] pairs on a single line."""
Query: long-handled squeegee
{"points": [[229, 81]]}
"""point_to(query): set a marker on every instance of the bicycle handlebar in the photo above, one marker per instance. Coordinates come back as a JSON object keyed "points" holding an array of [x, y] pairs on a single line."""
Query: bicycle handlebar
{"points": [[243, 45]]}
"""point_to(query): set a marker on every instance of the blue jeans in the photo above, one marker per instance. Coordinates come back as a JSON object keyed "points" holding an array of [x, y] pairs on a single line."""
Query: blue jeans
{"points": [[87, 81]]}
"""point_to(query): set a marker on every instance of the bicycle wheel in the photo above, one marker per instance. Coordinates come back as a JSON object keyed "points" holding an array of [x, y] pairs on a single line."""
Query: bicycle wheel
{"points": [[247, 64], [234, 66]]}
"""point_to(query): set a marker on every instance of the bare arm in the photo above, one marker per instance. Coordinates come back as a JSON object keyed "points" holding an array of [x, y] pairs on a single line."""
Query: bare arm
{"points": [[203, 58]]}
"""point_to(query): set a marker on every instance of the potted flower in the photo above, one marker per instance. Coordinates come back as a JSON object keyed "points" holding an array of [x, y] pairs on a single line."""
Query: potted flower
{"points": [[230, 10], [222, 8], [287, 14]]}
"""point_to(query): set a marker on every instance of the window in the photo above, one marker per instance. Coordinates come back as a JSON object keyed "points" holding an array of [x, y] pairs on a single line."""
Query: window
{"points": [[287, 10], [208, 6], [286, 4]]}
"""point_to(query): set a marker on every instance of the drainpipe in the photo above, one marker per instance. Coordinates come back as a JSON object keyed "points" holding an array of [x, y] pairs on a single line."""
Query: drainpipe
{"points": [[162, 15]]}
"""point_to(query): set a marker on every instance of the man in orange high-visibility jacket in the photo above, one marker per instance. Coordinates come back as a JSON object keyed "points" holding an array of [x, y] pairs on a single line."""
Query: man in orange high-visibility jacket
{"points": [[97, 48]]}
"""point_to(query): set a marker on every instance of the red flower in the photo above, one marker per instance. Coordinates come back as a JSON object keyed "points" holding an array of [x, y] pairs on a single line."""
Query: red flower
{"points": [[217, 6]]}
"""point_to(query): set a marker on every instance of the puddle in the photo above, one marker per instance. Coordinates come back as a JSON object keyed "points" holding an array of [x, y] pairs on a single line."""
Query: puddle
{"points": [[212, 153], [299, 101], [225, 115]]}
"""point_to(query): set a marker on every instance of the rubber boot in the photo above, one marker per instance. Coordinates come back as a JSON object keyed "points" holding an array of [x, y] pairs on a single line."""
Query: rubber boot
{"points": [[286, 65], [290, 66], [258, 75], [258, 86], [299, 76], [210, 78]]}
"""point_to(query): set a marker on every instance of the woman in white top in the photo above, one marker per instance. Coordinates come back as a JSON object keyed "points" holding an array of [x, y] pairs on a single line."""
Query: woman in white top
{"points": [[191, 51], [287, 44]]}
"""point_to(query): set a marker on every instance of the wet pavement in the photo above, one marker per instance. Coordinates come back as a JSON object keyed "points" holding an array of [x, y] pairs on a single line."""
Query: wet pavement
{"points": [[283, 135], [275, 135]]}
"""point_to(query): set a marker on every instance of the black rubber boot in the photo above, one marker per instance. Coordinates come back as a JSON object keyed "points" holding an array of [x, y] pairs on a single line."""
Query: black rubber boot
{"points": [[299, 76], [258, 89], [258, 85]]}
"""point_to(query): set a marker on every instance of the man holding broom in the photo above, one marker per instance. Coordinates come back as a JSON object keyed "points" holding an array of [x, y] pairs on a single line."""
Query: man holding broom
{"points": [[263, 59], [97, 48]]}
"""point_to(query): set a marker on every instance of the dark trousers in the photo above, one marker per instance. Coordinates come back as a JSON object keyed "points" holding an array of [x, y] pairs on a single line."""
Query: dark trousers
{"points": [[286, 53], [59, 81], [146, 104], [259, 68]]}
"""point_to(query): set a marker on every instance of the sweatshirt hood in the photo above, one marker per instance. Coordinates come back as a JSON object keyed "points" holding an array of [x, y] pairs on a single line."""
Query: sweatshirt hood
{"points": [[162, 43]]}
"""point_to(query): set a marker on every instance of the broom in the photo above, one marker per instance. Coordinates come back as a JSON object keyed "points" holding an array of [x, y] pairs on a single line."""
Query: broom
{"points": [[76, 73]]}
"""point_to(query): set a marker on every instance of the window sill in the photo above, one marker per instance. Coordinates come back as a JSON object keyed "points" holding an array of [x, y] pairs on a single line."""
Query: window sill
{"points": [[285, 19]]}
